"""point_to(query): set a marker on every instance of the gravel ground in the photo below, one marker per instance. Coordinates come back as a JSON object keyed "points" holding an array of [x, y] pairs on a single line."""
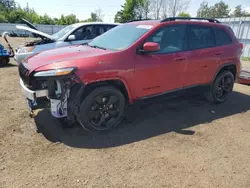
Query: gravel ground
{"points": [[179, 143]]}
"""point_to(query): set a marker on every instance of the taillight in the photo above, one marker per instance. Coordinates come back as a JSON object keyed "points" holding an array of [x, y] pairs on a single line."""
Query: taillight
{"points": [[241, 45]]}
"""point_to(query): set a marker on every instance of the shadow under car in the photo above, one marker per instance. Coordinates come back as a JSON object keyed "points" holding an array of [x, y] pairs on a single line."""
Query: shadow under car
{"points": [[145, 120]]}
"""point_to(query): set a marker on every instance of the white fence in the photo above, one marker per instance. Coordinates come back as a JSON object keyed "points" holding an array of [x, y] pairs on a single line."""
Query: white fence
{"points": [[241, 28]]}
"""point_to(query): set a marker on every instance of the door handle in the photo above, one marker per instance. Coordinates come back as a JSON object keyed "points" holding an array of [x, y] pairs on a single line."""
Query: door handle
{"points": [[218, 53], [181, 58]]}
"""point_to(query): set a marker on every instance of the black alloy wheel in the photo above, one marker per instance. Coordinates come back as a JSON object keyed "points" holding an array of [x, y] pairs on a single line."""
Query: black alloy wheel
{"points": [[102, 109], [223, 87]]}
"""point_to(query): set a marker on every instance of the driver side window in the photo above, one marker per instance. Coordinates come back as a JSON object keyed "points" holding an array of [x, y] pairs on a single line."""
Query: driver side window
{"points": [[84, 33], [170, 38]]}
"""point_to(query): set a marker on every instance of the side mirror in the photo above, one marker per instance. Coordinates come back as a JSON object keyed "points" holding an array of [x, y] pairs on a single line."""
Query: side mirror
{"points": [[72, 37], [151, 47]]}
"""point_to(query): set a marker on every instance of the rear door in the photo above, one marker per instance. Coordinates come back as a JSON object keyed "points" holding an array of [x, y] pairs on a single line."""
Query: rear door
{"points": [[225, 50], [202, 59], [108, 27], [100, 29]]}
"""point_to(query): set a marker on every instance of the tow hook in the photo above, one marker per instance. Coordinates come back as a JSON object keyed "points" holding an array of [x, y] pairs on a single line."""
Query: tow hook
{"points": [[31, 114], [31, 106]]}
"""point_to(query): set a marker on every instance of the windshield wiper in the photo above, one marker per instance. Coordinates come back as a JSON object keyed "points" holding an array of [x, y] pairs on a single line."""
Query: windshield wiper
{"points": [[86, 44], [99, 47]]}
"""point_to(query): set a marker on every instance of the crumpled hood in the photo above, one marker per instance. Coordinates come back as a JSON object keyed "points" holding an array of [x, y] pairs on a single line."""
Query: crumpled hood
{"points": [[65, 55]]}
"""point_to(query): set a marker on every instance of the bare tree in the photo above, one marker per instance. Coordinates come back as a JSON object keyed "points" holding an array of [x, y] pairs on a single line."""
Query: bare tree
{"points": [[156, 7], [142, 9], [99, 15], [177, 6], [146, 7], [164, 10]]}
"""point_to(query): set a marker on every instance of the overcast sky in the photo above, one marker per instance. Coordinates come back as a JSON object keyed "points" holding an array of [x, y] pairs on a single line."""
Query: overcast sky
{"points": [[83, 8]]}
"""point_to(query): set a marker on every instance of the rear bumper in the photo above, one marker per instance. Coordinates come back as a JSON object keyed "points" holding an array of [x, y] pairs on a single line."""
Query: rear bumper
{"points": [[33, 95]]}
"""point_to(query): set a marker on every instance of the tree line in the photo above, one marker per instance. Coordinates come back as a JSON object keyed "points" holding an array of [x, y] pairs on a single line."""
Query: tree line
{"points": [[160, 9], [13, 13], [220, 10]]}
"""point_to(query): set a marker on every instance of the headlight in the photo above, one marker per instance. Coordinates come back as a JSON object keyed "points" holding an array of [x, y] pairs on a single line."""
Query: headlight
{"points": [[30, 49], [56, 72]]}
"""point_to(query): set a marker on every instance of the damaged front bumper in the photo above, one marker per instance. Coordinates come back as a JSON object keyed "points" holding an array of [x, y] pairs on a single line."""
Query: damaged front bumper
{"points": [[33, 96], [62, 99]]}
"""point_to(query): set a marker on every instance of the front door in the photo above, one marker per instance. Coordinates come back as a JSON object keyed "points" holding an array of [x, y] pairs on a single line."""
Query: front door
{"points": [[162, 71], [82, 35]]}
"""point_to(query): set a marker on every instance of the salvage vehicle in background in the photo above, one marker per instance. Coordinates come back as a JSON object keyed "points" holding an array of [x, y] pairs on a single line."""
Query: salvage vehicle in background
{"points": [[78, 33], [5, 54], [244, 78], [92, 83]]}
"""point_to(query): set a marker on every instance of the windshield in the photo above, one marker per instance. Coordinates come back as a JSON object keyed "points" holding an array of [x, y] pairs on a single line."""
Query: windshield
{"points": [[62, 32], [120, 37]]}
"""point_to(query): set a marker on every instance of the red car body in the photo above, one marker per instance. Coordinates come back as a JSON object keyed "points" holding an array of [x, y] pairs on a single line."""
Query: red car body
{"points": [[143, 75], [92, 83]]}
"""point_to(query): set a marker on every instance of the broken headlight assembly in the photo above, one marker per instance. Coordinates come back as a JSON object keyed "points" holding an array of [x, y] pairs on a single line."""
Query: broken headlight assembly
{"points": [[55, 72], [58, 82]]}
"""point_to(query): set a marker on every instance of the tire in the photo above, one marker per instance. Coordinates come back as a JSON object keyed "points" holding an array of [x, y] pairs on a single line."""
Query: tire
{"points": [[102, 109], [65, 123], [4, 61], [220, 90]]}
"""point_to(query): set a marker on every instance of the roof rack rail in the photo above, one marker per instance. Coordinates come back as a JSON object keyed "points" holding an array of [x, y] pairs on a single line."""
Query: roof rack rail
{"points": [[138, 20], [191, 18]]}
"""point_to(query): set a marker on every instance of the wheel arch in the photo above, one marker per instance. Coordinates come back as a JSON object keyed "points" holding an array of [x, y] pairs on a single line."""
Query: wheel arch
{"points": [[118, 83], [232, 67]]}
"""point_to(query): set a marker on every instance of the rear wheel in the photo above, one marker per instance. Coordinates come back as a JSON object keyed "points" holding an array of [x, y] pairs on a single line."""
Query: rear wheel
{"points": [[102, 109], [221, 89]]}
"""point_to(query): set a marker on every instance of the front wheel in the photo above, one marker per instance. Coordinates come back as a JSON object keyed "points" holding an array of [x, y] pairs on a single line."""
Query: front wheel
{"points": [[221, 89], [102, 109]]}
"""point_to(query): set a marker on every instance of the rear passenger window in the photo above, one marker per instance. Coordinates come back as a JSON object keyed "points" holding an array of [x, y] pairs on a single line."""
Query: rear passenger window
{"points": [[108, 27], [200, 37], [222, 38]]}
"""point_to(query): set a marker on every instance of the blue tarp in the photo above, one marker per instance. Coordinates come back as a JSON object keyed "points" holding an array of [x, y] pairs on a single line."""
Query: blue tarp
{"points": [[3, 52]]}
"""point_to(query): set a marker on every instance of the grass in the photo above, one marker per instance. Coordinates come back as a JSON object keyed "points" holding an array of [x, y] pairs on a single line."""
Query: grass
{"points": [[245, 58]]}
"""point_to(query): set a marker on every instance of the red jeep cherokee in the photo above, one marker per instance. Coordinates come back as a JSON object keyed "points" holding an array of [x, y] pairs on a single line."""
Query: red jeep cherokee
{"points": [[92, 83]]}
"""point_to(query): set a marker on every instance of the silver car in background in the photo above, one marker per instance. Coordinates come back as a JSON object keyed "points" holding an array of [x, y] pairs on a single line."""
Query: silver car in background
{"points": [[78, 33]]}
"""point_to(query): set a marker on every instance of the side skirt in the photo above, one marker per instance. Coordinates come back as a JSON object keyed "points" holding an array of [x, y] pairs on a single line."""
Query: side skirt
{"points": [[191, 90]]}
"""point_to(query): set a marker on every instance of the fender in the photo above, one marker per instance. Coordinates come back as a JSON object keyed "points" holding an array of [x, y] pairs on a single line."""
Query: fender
{"points": [[221, 67], [130, 97]]}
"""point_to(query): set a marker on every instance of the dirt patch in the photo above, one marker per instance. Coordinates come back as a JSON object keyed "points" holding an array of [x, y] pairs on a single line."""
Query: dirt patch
{"points": [[16, 41], [184, 142]]}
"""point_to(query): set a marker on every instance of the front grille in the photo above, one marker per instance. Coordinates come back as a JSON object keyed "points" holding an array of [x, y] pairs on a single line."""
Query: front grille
{"points": [[23, 72]]}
